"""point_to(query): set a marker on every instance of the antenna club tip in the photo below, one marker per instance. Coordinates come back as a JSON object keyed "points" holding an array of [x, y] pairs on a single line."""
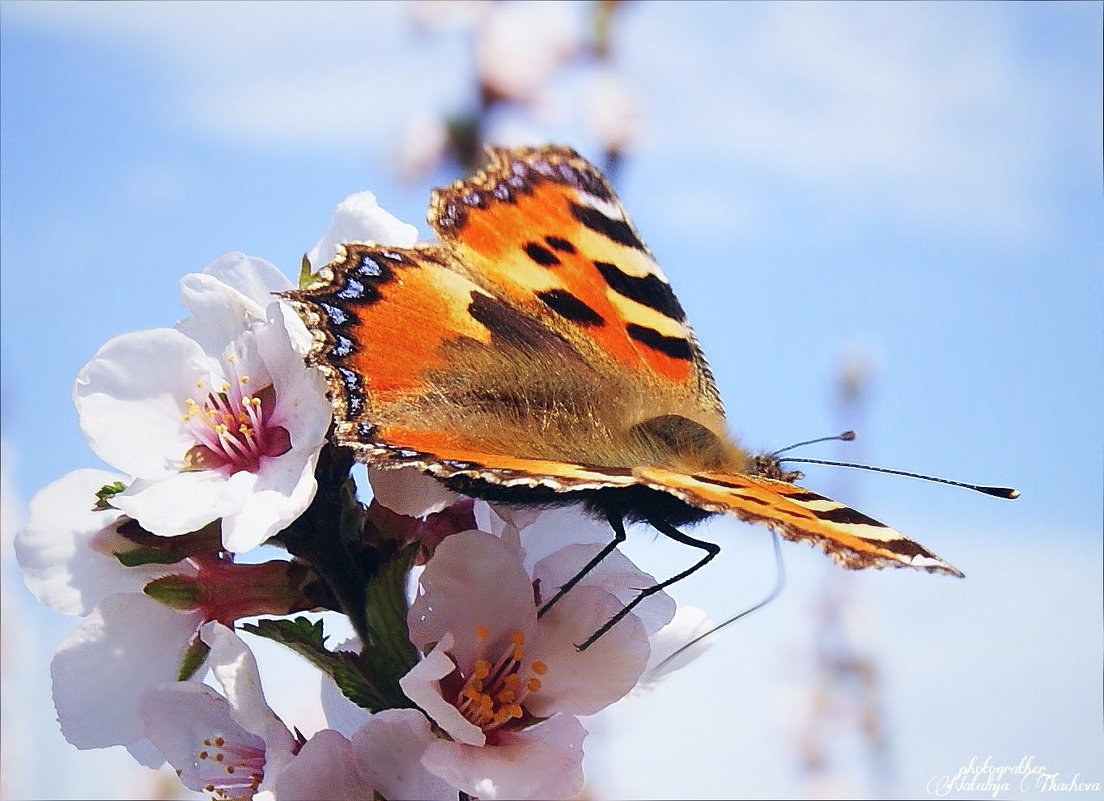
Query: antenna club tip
{"points": [[1013, 493], [847, 436]]}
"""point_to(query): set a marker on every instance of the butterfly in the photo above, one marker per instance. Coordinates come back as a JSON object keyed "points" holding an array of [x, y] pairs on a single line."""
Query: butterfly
{"points": [[537, 355]]}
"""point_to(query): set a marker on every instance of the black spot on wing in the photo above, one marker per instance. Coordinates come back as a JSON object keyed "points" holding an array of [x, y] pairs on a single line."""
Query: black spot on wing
{"points": [[562, 245], [511, 327], [847, 516], [570, 307], [675, 347], [905, 547], [805, 497], [541, 255], [649, 290], [617, 230]]}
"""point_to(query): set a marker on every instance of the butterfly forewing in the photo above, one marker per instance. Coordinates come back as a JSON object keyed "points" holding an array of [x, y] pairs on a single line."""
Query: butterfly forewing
{"points": [[543, 229]]}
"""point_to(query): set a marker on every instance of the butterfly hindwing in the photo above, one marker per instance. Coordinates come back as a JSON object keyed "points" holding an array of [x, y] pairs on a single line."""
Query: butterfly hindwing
{"points": [[851, 538]]}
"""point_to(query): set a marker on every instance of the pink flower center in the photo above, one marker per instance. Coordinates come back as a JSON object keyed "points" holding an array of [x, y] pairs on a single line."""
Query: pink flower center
{"points": [[232, 428], [227, 769], [493, 694]]}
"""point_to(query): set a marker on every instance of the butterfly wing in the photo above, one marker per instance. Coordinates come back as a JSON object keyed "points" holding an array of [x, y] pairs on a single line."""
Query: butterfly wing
{"points": [[541, 228], [851, 538]]}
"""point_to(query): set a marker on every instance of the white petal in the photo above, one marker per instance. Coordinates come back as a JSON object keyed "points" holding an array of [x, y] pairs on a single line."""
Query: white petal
{"points": [[409, 491], [615, 574], [543, 761], [422, 686], [389, 748], [473, 580], [583, 682], [130, 399], [256, 279], [126, 645], [325, 769], [185, 502], [219, 312], [66, 549], [235, 668], [554, 529], [359, 218]]}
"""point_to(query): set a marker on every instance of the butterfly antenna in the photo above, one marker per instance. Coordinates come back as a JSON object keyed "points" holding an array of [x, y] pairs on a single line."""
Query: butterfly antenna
{"points": [[779, 583], [997, 492], [846, 436]]}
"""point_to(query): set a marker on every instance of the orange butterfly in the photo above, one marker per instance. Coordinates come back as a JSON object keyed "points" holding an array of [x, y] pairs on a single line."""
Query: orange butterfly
{"points": [[538, 356]]}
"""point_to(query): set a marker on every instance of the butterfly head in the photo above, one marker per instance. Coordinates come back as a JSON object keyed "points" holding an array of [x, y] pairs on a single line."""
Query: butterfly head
{"points": [[768, 465]]}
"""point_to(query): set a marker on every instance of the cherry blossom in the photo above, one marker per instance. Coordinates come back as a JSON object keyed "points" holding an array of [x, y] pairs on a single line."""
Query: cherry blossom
{"points": [[213, 427], [229, 745], [495, 670]]}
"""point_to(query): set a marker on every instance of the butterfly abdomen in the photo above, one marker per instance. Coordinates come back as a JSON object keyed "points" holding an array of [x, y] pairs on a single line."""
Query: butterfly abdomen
{"points": [[634, 503]]}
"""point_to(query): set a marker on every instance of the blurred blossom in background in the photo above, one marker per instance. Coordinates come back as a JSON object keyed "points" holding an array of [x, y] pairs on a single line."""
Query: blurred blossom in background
{"points": [[878, 216]]}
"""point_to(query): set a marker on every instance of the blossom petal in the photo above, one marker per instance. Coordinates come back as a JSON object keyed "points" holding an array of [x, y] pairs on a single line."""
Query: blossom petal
{"points": [[130, 399], [389, 749], [583, 682], [409, 492], [325, 769], [422, 686], [342, 715], [285, 484], [185, 502], [474, 581], [126, 644], [615, 574], [555, 529], [256, 279], [543, 761], [219, 311], [359, 218]]}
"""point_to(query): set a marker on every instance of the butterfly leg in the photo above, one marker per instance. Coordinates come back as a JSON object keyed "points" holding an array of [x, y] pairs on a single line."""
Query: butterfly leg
{"points": [[618, 526], [711, 549]]}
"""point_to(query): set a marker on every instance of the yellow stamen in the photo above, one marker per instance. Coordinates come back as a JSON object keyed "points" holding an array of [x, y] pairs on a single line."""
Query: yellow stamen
{"points": [[533, 684], [539, 668]]}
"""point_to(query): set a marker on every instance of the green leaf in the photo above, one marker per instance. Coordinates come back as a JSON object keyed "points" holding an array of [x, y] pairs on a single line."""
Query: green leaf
{"points": [[147, 556], [392, 654], [175, 592], [306, 275], [194, 657], [105, 493]]}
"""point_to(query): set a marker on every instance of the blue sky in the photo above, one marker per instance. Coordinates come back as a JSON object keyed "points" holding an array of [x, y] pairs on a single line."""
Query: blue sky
{"points": [[919, 184]]}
